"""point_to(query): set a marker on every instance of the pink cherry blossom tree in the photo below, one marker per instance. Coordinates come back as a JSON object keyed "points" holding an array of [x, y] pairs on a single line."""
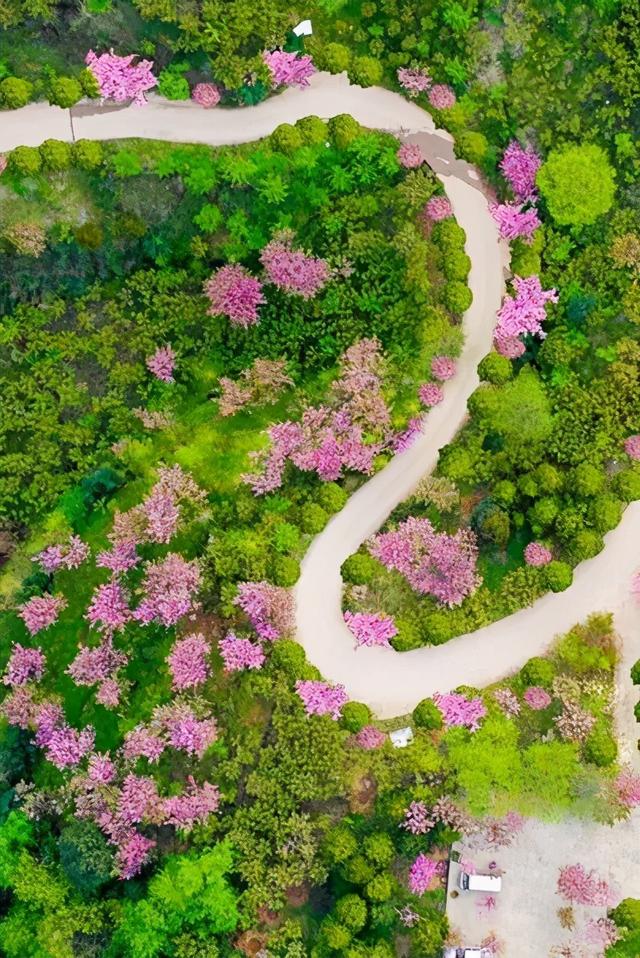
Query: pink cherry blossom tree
{"points": [[508, 702], [430, 394], [170, 586], [193, 806], [410, 156], [523, 313], [109, 609], [514, 221], [438, 208], [206, 95], [369, 738], [320, 698], [240, 653], [68, 556], [414, 80], [433, 563], [537, 698], [417, 819], [442, 97], [24, 665], [233, 292], [443, 368], [458, 710], [269, 608], [188, 661], [423, 874], [91, 666], [519, 166], [162, 363], [119, 78], [580, 887], [289, 69], [632, 447], [293, 270], [627, 786], [41, 611], [536, 554], [370, 628]]}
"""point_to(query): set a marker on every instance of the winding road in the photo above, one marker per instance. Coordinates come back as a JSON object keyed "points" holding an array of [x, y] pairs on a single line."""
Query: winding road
{"points": [[389, 682]]}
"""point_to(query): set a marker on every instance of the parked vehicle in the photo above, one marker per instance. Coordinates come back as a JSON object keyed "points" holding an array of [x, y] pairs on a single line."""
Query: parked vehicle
{"points": [[489, 883]]}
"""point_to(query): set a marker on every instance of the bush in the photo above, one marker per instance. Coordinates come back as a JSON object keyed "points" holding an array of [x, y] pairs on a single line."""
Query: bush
{"points": [[366, 71], [209, 218], [426, 714], [409, 636], [457, 297], [312, 129], [87, 154], [89, 235], [355, 715], [351, 910], [286, 139], [605, 512], [635, 673], [286, 571], [336, 936], [313, 518], [172, 85], [289, 656], [627, 914], [25, 160], [55, 154], [15, 93], [538, 671], [495, 369], [360, 568], [332, 497], [343, 129], [577, 183], [334, 57], [558, 576], [588, 480], [472, 146], [380, 888], [340, 842], [627, 484], [64, 92], [378, 848], [85, 856], [586, 544], [456, 266], [600, 748], [89, 84]]}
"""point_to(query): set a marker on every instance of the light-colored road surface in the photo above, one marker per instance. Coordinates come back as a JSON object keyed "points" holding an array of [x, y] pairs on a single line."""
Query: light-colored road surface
{"points": [[389, 682]]}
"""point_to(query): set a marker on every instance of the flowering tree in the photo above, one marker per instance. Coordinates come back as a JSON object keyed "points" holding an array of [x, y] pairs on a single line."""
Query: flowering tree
{"points": [[430, 394], [580, 887], [575, 723], [417, 819], [269, 608], [205, 94], [519, 166], [414, 80], [320, 698], [602, 933], [443, 367], [522, 314], [119, 78], [188, 661], [262, 382], [293, 270], [627, 786], [369, 737], [433, 563], [423, 873], [507, 701], [458, 710], [122, 557], [632, 447], [537, 698], [65, 746], [193, 807], [240, 653], [442, 97], [370, 629], [68, 556], [41, 611], [233, 292], [91, 666], [162, 363], [410, 156], [536, 554], [24, 665], [170, 586], [289, 69], [515, 221], [109, 609], [438, 208]]}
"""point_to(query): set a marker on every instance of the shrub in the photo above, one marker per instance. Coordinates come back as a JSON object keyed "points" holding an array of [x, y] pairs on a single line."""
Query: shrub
{"points": [[472, 146], [635, 673], [538, 672], [408, 636], [89, 235], [336, 936], [64, 92], [85, 856], [27, 238], [360, 568], [457, 297], [25, 160], [605, 512], [288, 656], [558, 576], [334, 57], [286, 571], [15, 93], [456, 266], [313, 518], [627, 484], [286, 139], [343, 129], [340, 842], [627, 914], [351, 910], [366, 71], [55, 154], [378, 848], [209, 218], [89, 84], [312, 129], [332, 497], [588, 480], [577, 183], [426, 714], [172, 85], [87, 154], [355, 715], [600, 748], [380, 888]]}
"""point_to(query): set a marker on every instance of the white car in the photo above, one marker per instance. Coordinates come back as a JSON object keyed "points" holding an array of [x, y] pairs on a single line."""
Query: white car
{"points": [[488, 883]]}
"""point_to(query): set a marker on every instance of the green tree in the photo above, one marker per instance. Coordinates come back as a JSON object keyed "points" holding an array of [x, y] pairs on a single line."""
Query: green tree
{"points": [[577, 183]]}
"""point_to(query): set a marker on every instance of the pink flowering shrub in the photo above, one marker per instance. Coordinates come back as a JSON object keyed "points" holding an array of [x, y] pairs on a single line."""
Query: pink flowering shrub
{"points": [[632, 447], [414, 80], [68, 556], [19, 707], [293, 270], [289, 69], [193, 807], [269, 608], [438, 208], [188, 733], [443, 367], [119, 78], [519, 167], [91, 666], [423, 873], [101, 769], [514, 221], [370, 628], [405, 439], [433, 563], [430, 394], [602, 933], [507, 701], [142, 742], [66, 747], [627, 786], [188, 661], [410, 156], [233, 292], [523, 313], [205, 94], [575, 723], [122, 557], [320, 698], [458, 710], [162, 363], [132, 854], [109, 693], [580, 887], [442, 97], [170, 586], [24, 665], [536, 554], [537, 698], [369, 737], [417, 819], [240, 653], [41, 611], [500, 832], [109, 609]]}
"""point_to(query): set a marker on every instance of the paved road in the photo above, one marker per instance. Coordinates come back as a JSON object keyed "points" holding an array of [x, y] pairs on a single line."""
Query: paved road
{"points": [[389, 682]]}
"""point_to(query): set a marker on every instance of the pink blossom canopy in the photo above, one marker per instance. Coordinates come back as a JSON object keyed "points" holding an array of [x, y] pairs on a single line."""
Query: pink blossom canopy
{"points": [[162, 363], [369, 737], [523, 313], [292, 270], [240, 653], [423, 873], [119, 78], [410, 156], [632, 447], [233, 292], [519, 167], [442, 97], [320, 698], [370, 629], [414, 80], [458, 710], [289, 69], [580, 887], [24, 665], [443, 367], [536, 554], [41, 611], [188, 661], [537, 698], [68, 556], [438, 208], [205, 94], [514, 221]]}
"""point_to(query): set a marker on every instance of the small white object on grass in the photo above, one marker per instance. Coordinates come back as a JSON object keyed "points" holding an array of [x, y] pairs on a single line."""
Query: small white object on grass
{"points": [[304, 29]]}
